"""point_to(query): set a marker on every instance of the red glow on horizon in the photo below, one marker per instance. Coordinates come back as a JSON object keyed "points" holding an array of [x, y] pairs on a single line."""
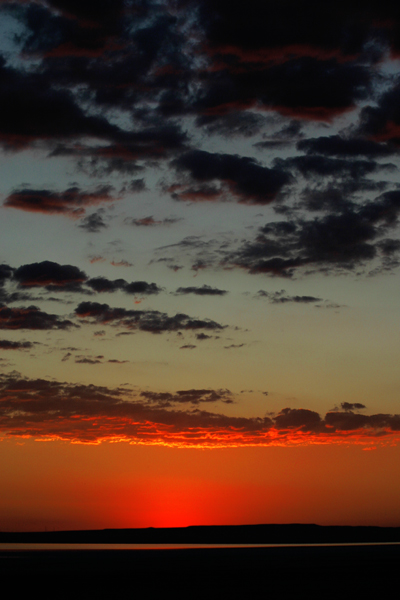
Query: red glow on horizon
{"points": [[122, 486], [185, 503], [83, 429]]}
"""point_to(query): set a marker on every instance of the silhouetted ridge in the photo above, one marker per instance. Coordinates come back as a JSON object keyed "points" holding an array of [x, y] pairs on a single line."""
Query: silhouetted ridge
{"points": [[214, 534]]}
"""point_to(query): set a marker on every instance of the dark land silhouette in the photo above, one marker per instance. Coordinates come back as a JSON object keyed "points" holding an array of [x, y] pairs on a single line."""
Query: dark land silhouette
{"points": [[368, 566], [360, 571], [214, 534]]}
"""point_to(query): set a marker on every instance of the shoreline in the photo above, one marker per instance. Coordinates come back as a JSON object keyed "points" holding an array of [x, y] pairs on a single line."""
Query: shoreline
{"points": [[214, 535]]}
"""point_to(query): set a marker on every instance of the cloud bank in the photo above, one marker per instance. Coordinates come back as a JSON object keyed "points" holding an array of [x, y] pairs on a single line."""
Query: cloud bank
{"points": [[45, 409]]}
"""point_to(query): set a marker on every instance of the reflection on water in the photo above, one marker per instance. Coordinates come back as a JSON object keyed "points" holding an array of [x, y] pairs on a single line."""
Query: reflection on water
{"points": [[22, 547]]}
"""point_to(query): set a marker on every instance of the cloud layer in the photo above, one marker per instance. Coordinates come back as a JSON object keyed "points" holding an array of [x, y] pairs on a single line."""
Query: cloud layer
{"points": [[91, 414]]}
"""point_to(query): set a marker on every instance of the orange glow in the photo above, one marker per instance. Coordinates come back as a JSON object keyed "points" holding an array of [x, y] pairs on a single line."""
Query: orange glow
{"points": [[67, 486], [95, 430]]}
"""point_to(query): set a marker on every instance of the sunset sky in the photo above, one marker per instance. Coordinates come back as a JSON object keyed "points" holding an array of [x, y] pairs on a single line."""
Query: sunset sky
{"points": [[199, 263]]}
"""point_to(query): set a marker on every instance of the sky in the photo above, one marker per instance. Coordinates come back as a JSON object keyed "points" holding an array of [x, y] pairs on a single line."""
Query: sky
{"points": [[199, 263]]}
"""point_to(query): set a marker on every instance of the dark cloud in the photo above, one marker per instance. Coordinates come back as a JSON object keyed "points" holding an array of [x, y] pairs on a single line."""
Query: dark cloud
{"points": [[204, 290], [335, 145], [96, 166], [102, 284], [34, 111], [83, 68], [155, 143], [117, 362], [298, 418], [70, 348], [6, 273], [103, 13], [150, 221], [8, 297], [202, 336], [332, 198], [151, 321], [71, 28], [321, 166], [331, 243], [202, 253], [42, 408], [142, 287], [389, 246], [88, 413], [143, 222], [352, 406], [288, 88], [282, 298], [188, 347], [137, 185], [272, 144], [290, 131], [89, 360], [121, 263], [93, 223], [68, 278], [234, 346], [244, 177], [71, 203], [202, 59], [382, 122], [8, 345], [200, 264], [273, 58], [348, 420], [91, 65], [311, 28], [193, 396], [31, 317], [283, 137], [384, 209], [243, 124], [50, 275]]}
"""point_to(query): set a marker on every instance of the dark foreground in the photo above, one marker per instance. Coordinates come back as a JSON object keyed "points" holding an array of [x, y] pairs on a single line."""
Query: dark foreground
{"points": [[310, 572], [293, 533]]}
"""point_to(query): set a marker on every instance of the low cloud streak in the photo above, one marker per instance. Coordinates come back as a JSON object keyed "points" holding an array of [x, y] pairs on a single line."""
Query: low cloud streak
{"points": [[44, 409]]}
